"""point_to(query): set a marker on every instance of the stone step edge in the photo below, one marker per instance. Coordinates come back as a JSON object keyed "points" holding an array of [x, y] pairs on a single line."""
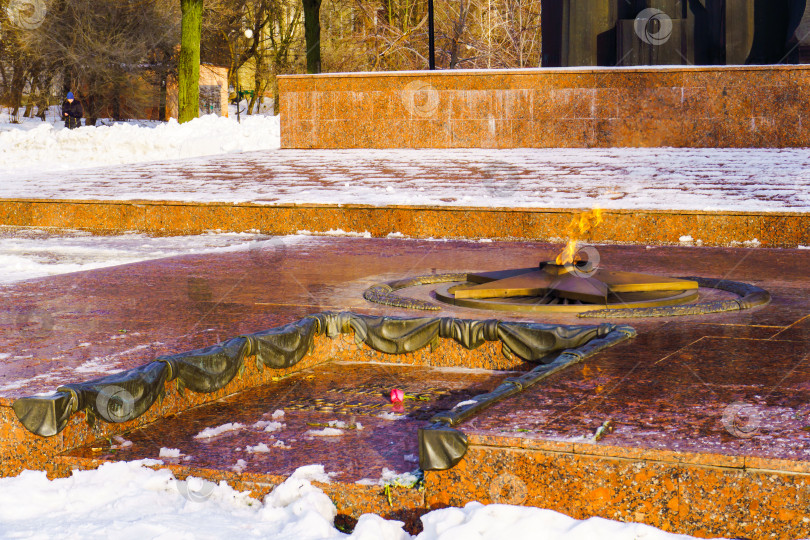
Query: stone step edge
{"points": [[172, 218]]}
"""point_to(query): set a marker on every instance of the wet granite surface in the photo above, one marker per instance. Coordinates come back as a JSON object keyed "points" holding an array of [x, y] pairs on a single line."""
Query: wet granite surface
{"points": [[738, 397], [667, 388], [339, 415]]}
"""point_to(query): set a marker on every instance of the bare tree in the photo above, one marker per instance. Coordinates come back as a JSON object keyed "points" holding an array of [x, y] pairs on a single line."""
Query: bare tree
{"points": [[102, 49], [274, 29], [20, 70]]}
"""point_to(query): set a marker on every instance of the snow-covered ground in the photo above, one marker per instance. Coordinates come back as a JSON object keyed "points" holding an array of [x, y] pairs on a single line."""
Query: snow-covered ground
{"points": [[217, 159], [132, 501]]}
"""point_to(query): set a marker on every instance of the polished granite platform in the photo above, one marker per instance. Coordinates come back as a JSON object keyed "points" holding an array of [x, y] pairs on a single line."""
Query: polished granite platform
{"points": [[698, 425]]}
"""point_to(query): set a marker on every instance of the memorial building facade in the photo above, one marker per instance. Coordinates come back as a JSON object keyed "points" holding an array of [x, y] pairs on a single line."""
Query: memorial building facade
{"points": [[674, 32]]}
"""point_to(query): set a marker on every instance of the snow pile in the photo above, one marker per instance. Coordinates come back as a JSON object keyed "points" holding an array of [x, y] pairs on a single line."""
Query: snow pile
{"points": [[478, 522], [131, 501], [50, 148]]}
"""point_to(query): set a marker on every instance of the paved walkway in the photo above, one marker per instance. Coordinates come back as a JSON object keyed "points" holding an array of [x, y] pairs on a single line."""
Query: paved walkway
{"points": [[756, 180]]}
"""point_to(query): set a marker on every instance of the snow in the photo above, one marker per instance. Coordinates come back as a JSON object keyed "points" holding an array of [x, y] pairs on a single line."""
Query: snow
{"points": [[478, 522], [340, 424], [389, 477], [335, 232], [259, 448], [131, 501], [241, 163], [465, 403], [33, 253], [325, 432], [239, 466], [269, 426], [121, 442], [211, 432], [37, 146]]}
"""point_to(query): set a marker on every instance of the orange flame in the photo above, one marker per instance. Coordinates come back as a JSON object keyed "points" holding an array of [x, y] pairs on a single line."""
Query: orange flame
{"points": [[580, 225]]}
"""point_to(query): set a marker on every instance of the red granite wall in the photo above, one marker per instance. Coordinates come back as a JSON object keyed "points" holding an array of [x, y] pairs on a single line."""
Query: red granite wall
{"points": [[704, 495], [771, 229], [740, 106]]}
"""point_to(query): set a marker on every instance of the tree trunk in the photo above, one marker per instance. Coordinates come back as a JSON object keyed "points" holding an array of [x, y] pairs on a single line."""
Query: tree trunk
{"points": [[276, 98], [312, 33], [16, 90], [188, 65], [91, 109], [162, 100], [116, 104]]}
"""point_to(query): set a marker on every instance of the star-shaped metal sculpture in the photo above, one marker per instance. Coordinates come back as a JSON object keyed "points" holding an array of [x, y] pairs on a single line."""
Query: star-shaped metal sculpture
{"points": [[574, 283]]}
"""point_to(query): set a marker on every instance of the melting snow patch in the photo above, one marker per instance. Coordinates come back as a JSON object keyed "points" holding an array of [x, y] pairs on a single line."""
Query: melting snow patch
{"points": [[345, 425], [239, 466], [123, 443], [269, 426], [334, 232], [259, 448], [325, 432], [170, 453], [393, 478], [746, 243], [97, 365], [465, 403], [210, 432], [278, 414]]}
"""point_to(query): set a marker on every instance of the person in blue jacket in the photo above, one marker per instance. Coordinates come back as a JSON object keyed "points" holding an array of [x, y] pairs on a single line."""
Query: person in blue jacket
{"points": [[72, 112]]}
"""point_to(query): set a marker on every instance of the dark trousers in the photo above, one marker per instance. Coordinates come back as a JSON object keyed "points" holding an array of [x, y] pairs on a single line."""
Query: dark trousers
{"points": [[73, 123]]}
